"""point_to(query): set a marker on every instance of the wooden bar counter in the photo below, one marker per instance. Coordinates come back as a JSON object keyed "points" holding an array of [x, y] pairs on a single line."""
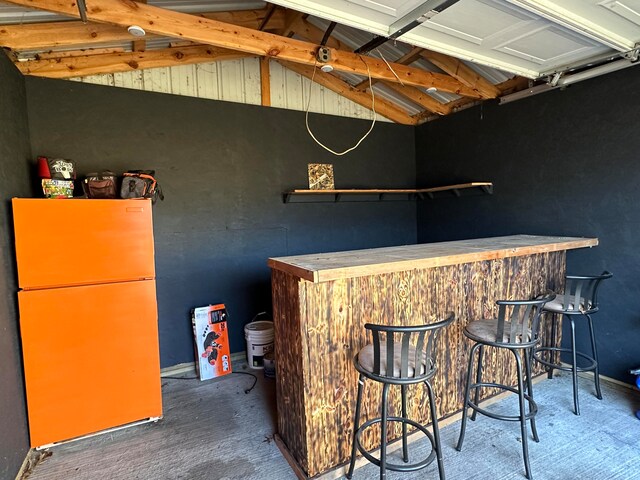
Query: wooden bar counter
{"points": [[321, 303]]}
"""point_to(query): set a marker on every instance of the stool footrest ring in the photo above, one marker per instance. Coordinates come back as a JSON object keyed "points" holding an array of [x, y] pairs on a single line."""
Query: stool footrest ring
{"points": [[392, 466], [591, 366], [509, 418]]}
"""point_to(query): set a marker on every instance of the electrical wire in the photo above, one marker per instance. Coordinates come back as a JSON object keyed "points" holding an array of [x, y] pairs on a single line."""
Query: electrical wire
{"points": [[247, 390], [388, 65], [373, 108], [255, 380]]}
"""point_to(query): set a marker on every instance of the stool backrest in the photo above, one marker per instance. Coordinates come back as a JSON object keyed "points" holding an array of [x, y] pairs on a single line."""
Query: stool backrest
{"points": [[415, 344], [581, 292], [519, 320]]}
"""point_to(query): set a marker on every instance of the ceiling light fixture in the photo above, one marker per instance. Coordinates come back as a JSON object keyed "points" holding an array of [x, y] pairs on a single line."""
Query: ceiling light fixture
{"points": [[136, 31], [432, 90]]}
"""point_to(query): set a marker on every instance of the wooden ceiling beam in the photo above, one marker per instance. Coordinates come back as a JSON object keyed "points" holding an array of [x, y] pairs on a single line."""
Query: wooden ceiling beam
{"points": [[420, 98], [140, 44], [458, 69], [291, 17], [327, 80], [414, 94], [514, 84], [34, 36], [265, 82], [309, 31], [83, 65], [409, 57], [181, 25]]}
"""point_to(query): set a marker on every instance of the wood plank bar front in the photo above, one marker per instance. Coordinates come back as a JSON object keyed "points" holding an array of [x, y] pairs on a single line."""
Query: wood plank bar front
{"points": [[321, 303]]}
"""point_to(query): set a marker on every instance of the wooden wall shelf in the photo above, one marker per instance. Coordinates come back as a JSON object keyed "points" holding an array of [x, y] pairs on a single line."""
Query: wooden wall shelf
{"points": [[377, 194]]}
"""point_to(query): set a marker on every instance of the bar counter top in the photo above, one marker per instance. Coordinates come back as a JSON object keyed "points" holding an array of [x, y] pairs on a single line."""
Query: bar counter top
{"points": [[323, 267]]}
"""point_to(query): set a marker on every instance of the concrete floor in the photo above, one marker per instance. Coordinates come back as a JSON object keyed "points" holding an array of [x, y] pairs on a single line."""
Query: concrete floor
{"points": [[213, 430]]}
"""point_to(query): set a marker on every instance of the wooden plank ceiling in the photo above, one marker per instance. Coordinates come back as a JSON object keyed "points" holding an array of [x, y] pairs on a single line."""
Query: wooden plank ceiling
{"points": [[65, 49]]}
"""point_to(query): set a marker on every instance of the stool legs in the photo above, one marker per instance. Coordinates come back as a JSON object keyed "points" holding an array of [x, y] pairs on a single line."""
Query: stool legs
{"points": [[476, 398], [528, 359], [467, 391], [383, 432], [596, 372], [552, 354], [523, 416], [574, 368], [436, 430], [522, 370], [405, 451], [356, 425], [383, 420]]}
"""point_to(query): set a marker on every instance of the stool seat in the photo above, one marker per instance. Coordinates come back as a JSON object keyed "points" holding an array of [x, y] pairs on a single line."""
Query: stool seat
{"points": [[487, 331], [579, 301], [366, 360], [515, 329], [558, 306], [390, 362]]}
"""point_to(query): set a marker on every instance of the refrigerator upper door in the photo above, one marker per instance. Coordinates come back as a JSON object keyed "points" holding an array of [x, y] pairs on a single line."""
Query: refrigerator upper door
{"points": [[76, 242], [91, 358]]}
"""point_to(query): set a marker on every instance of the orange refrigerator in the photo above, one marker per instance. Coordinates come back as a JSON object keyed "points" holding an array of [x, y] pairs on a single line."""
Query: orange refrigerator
{"points": [[88, 315]]}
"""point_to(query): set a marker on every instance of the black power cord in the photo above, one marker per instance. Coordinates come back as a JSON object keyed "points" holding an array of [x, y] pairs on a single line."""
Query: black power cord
{"points": [[247, 390]]}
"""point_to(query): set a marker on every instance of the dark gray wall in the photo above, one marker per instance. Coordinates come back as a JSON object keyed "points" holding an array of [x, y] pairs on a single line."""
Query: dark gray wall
{"points": [[223, 167], [563, 163], [14, 181]]}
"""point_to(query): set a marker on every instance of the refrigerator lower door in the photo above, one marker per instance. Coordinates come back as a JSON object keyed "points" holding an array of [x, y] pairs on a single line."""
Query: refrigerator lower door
{"points": [[91, 358]]}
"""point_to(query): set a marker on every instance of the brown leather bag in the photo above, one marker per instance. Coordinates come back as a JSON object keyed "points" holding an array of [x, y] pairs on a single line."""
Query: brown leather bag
{"points": [[100, 185]]}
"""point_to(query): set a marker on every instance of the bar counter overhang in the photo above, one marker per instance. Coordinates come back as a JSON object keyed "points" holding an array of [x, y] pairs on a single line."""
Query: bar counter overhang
{"points": [[322, 301]]}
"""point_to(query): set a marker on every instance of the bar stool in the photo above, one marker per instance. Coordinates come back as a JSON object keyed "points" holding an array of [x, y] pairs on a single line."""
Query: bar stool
{"points": [[517, 332], [580, 298], [407, 361]]}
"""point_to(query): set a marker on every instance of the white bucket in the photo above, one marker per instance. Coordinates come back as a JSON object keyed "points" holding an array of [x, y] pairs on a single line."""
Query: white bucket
{"points": [[259, 337]]}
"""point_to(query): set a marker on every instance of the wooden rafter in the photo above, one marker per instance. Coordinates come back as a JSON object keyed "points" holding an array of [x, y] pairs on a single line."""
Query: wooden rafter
{"points": [[139, 45], [175, 24], [36, 36], [291, 17], [313, 34], [265, 82], [382, 106], [514, 84], [418, 97], [458, 69], [306, 30], [406, 59], [82, 65]]}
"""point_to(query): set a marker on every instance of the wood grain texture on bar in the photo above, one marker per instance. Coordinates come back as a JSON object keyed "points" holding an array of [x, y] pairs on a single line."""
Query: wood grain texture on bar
{"points": [[319, 327], [323, 267]]}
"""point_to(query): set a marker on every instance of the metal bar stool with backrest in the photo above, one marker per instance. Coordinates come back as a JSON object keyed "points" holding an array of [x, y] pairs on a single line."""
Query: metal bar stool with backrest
{"points": [[407, 360], [580, 298], [515, 329]]}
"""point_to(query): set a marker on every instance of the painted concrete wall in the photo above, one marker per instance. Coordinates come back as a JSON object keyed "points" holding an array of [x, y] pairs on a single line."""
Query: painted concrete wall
{"points": [[223, 167], [563, 163], [15, 155]]}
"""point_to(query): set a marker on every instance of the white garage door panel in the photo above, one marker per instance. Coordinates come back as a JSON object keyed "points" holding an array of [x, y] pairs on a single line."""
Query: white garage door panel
{"points": [[629, 10], [549, 47], [501, 35], [462, 21], [394, 8], [524, 37], [614, 22]]}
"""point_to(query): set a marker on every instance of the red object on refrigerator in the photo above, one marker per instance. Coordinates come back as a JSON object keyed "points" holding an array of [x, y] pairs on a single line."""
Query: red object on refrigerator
{"points": [[88, 315]]}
